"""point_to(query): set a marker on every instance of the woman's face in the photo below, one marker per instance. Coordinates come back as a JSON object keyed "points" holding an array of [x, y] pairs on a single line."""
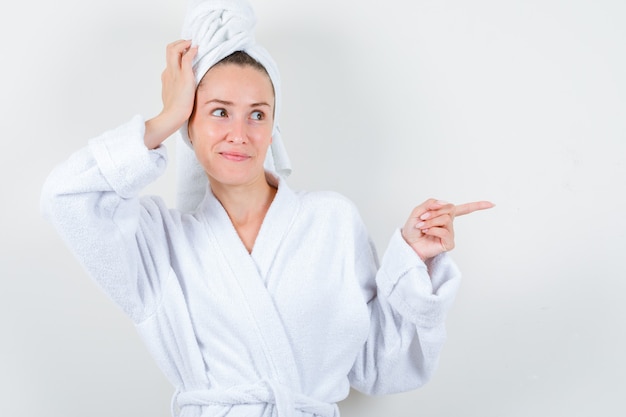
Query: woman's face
{"points": [[231, 126]]}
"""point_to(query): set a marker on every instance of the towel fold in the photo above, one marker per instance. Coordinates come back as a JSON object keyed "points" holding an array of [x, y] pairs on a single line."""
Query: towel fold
{"points": [[219, 28]]}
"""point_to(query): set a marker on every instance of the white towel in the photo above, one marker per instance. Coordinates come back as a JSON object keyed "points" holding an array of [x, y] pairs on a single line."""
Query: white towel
{"points": [[219, 28]]}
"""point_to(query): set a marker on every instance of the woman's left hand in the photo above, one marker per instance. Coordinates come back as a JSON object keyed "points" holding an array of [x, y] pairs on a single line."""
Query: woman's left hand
{"points": [[429, 229]]}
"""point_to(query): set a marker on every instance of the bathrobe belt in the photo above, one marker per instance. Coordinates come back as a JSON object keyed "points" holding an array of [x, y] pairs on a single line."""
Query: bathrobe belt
{"points": [[265, 391]]}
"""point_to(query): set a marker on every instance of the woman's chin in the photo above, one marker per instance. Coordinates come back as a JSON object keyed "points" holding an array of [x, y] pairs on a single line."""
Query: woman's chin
{"points": [[234, 177]]}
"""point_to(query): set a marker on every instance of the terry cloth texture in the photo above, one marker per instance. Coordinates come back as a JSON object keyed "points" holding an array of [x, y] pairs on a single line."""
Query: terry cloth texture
{"points": [[283, 331]]}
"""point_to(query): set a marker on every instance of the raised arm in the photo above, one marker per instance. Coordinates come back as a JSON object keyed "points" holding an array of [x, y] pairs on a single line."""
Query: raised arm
{"points": [[93, 200], [416, 284]]}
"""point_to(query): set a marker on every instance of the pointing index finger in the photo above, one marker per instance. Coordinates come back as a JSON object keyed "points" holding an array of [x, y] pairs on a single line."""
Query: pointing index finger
{"points": [[468, 208]]}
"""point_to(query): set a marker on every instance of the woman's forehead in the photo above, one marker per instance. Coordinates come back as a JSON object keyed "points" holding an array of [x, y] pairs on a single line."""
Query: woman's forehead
{"points": [[232, 76], [232, 85]]}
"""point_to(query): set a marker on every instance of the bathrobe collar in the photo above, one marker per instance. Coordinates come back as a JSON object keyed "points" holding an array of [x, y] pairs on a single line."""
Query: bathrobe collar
{"points": [[275, 226]]}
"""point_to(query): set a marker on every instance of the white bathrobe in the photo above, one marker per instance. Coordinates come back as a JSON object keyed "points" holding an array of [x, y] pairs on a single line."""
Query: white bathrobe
{"points": [[283, 331]]}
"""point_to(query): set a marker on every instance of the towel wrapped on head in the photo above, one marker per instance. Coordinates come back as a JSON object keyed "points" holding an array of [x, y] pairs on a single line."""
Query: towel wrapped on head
{"points": [[219, 28]]}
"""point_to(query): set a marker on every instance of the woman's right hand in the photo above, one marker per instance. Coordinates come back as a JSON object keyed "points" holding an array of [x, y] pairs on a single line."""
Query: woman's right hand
{"points": [[178, 93]]}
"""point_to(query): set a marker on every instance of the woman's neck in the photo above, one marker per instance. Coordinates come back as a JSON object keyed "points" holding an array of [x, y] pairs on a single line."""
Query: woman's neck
{"points": [[246, 206]]}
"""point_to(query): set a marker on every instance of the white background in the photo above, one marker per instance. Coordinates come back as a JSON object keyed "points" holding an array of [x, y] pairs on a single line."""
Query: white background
{"points": [[522, 102]]}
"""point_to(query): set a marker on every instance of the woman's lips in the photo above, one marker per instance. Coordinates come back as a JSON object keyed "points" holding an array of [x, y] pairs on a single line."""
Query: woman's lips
{"points": [[234, 156]]}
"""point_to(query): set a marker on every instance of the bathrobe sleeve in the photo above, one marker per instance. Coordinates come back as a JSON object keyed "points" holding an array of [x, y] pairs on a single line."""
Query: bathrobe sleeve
{"points": [[92, 199], [408, 301]]}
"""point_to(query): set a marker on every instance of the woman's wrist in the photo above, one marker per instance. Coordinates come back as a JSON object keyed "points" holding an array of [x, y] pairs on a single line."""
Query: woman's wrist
{"points": [[160, 128]]}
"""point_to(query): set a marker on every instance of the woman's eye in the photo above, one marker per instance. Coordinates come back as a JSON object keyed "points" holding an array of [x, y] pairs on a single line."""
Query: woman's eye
{"points": [[219, 113], [257, 115]]}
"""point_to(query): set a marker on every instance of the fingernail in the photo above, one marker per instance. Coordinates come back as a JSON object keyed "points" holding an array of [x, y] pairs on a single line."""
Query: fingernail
{"points": [[419, 225], [425, 216]]}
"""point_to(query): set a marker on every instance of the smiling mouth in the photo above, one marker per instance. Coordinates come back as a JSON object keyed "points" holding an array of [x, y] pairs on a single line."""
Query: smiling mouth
{"points": [[234, 156]]}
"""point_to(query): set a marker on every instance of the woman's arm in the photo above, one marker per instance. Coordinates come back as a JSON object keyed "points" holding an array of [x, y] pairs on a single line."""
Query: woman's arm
{"points": [[412, 291], [92, 199], [410, 299]]}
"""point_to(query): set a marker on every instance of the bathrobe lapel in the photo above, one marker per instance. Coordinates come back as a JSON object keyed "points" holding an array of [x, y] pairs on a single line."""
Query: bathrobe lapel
{"points": [[251, 271], [276, 225]]}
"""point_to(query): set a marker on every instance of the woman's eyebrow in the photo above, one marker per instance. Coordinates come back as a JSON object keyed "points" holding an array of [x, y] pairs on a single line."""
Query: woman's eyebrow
{"points": [[230, 103], [218, 101]]}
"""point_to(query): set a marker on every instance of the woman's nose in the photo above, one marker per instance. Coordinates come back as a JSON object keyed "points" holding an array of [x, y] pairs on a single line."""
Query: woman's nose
{"points": [[238, 132]]}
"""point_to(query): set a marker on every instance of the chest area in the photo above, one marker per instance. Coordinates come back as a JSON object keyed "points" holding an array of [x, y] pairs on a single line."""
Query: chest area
{"points": [[308, 295]]}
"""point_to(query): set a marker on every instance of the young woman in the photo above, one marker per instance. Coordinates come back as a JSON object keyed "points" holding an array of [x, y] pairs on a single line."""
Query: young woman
{"points": [[261, 301]]}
